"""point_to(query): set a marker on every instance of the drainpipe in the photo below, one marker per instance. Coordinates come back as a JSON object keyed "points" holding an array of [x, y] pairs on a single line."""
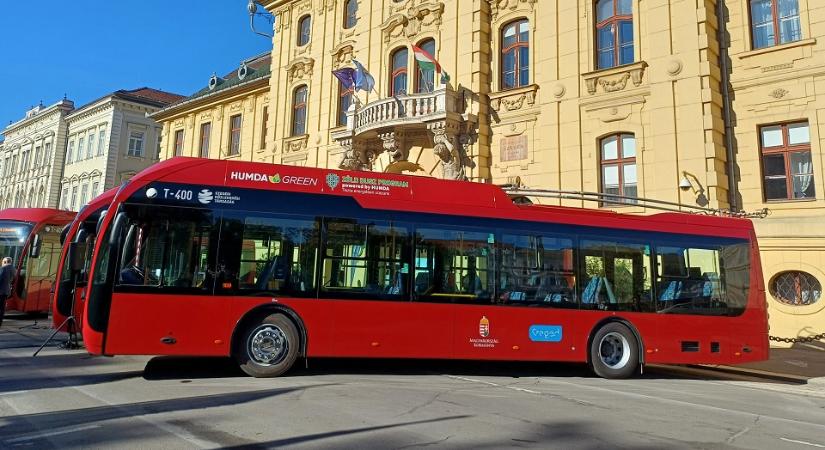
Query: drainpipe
{"points": [[724, 45]]}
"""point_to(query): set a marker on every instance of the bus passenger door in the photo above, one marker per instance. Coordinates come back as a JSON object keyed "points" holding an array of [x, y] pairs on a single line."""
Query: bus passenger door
{"points": [[162, 302], [41, 270]]}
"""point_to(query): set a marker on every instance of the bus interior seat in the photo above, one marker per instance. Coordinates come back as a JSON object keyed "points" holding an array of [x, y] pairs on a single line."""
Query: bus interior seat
{"points": [[670, 291], [422, 282]]}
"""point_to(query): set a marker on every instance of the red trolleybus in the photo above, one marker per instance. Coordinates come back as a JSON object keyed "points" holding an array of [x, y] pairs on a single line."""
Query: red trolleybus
{"points": [[270, 263], [31, 237], [75, 259]]}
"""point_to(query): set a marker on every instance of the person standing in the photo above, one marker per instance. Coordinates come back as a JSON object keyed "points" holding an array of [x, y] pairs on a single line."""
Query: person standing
{"points": [[6, 275]]}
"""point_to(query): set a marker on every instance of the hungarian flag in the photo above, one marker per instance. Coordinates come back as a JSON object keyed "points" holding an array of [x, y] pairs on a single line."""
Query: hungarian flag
{"points": [[426, 61]]}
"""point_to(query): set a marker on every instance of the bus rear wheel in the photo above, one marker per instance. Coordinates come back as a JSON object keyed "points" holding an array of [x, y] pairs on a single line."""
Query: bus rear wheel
{"points": [[614, 352], [268, 348]]}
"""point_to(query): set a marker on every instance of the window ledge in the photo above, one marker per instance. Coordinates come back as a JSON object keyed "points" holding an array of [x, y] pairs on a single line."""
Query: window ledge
{"points": [[514, 99], [296, 143], [615, 78], [776, 48], [782, 201]]}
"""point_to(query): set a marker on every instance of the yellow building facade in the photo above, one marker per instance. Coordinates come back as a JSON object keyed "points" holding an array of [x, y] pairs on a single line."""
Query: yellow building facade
{"points": [[651, 99], [227, 119]]}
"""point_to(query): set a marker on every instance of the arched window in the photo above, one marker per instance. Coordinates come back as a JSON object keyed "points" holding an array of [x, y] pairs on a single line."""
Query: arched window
{"points": [[425, 77], [614, 33], [304, 30], [344, 102], [618, 166], [30, 202], [350, 14], [398, 75], [299, 111], [41, 198], [515, 54]]}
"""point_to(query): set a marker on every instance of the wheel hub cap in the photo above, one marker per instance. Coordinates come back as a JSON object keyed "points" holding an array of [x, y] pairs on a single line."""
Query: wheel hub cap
{"points": [[268, 345]]}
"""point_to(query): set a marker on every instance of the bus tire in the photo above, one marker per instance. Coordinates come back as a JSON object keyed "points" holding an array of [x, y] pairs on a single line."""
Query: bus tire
{"points": [[614, 352], [268, 348]]}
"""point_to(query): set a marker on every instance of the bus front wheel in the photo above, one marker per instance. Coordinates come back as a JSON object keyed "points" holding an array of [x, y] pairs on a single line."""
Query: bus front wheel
{"points": [[614, 352], [268, 348]]}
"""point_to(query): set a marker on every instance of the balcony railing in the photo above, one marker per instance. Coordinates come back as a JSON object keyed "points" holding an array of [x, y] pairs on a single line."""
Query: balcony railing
{"points": [[401, 110]]}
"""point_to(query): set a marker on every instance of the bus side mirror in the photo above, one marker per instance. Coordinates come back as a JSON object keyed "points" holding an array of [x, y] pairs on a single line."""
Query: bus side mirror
{"points": [[76, 255], [36, 244]]}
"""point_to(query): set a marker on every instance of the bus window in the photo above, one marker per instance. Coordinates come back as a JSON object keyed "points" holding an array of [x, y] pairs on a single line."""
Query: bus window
{"points": [[453, 265], [537, 270], [368, 259], [278, 255], [164, 251], [616, 276], [701, 280]]}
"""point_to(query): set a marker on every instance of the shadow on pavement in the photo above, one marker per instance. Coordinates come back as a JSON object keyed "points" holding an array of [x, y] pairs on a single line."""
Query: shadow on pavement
{"points": [[180, 368], [30, 383], [30, 423]]}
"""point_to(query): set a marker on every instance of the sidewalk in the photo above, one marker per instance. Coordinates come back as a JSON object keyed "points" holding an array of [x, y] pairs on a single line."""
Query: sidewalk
{"points": [[801, 363]]}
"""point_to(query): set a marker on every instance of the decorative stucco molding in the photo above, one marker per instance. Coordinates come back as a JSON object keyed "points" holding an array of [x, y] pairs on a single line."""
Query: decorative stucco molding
{"points": [[615, 79]]}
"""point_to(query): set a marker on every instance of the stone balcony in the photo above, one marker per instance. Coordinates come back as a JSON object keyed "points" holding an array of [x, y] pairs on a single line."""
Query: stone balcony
{"points": [[436, 119]]}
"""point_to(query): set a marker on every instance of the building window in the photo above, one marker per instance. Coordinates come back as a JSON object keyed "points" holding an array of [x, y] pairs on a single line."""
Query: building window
{"points": [[264, 127], [101, 142], [398, 77], [41, 197], [235, 135], [614, 33], [95, 187], [344, 103], [64, 198], [774, 22], [47, 154], [90, 149], [796, 288], [136, 143], [299, 111], [425, 80], [351, 11], [515, 54], [206, 131], [74, 198], [80, 147], [787, 166], [618, 167], [84, 194], [304, 31], [37, 154], [70, 153], [178, 142]]}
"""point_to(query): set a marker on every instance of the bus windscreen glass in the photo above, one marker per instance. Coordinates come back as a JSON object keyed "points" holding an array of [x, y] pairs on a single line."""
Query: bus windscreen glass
{"points": [[13, 237]]}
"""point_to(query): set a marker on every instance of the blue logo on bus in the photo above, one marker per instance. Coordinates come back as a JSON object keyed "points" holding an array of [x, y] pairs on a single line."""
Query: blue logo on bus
{"points": [[545, 333]]}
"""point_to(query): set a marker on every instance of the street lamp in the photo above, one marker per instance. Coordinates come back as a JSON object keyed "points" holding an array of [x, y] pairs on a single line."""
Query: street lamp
{"points": [[686, 185], [252, 9]]}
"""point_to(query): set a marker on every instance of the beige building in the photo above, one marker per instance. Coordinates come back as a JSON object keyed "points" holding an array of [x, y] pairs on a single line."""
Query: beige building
{"points": [[227, 119], [32, 157], [109, 140], [613, 96]]}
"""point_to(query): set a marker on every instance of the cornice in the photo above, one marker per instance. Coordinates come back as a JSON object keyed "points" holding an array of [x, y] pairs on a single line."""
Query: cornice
{"points": [[189, 106], [85, 113]]}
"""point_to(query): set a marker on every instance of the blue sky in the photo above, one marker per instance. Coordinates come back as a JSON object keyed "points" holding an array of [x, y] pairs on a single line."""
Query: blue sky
{"points": [[88, 48]]}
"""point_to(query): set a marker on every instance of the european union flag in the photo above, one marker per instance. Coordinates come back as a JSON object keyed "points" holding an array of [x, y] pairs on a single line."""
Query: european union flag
{"points": [[346, 76], [363, 80]]}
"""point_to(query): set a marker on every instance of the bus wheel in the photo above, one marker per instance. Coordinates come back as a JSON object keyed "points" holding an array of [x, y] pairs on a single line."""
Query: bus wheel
{"points": [[614, 352], [268, 348]]}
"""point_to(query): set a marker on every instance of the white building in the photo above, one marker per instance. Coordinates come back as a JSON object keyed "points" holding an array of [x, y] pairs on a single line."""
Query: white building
{"points": [[32, 157], [109, 140]]}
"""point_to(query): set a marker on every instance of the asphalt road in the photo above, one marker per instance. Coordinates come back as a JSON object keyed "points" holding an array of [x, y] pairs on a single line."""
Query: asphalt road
{"points": [[68, 399]]}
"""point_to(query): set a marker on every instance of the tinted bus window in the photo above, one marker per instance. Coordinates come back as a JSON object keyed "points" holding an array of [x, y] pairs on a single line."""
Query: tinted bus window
{"points": [[453, 265], [616, 276], [711, 281], [278, 255], [367, 259], [537, 270], [166, 248]]}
